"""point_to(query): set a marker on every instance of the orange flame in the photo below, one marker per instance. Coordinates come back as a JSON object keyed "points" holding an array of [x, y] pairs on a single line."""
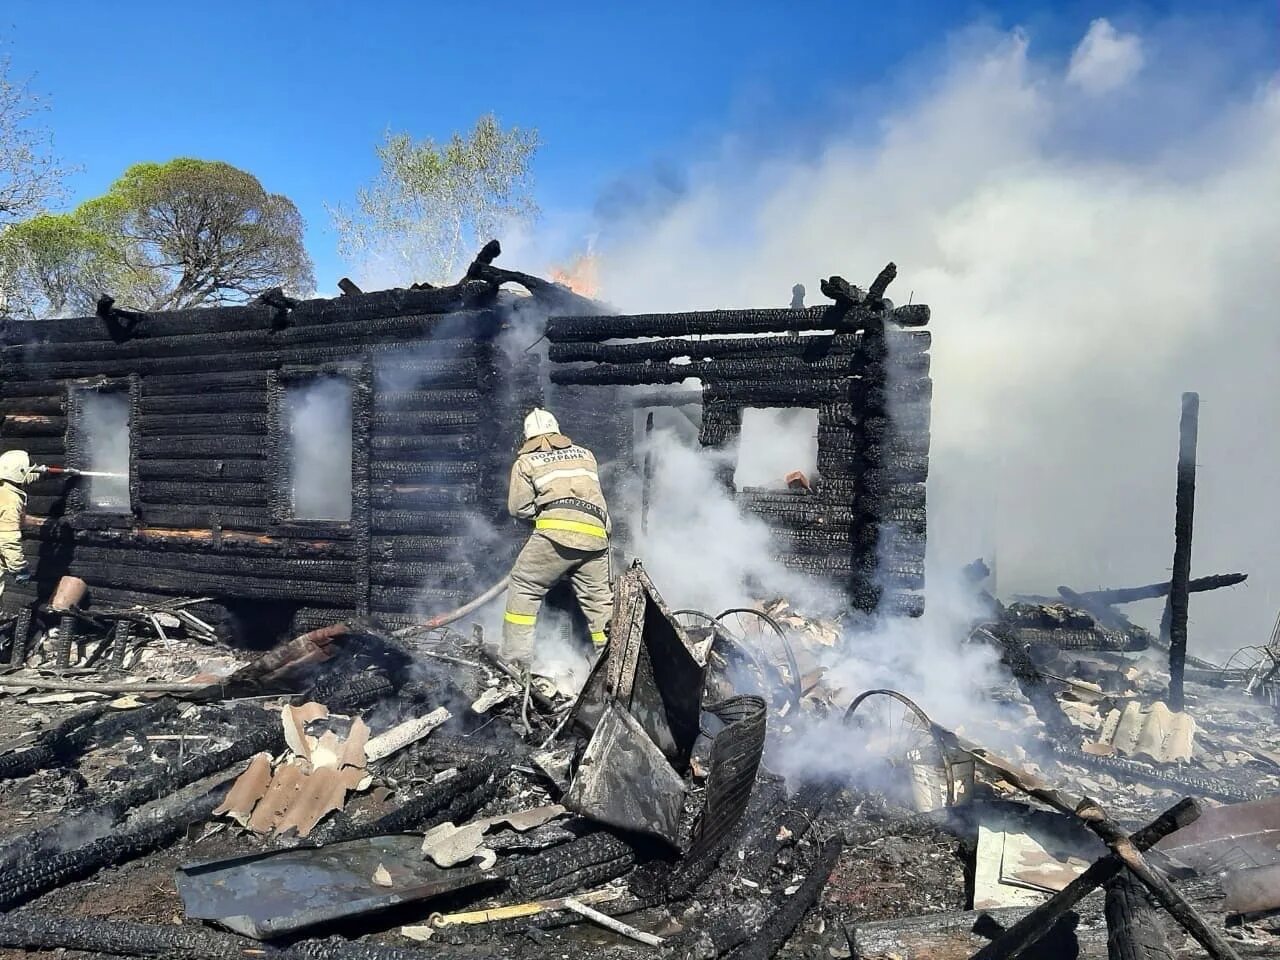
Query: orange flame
{"points": [[580, 275]]}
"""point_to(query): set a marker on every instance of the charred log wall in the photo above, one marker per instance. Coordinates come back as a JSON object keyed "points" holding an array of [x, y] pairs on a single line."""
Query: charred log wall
{"points": [[861, 528], [434, 405]]}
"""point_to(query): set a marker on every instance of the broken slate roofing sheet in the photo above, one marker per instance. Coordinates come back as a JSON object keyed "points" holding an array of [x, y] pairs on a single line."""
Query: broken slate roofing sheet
{"points": [[1157, 733], [312, 781]]}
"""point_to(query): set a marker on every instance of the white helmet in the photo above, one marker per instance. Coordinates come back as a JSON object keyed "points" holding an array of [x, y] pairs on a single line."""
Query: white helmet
{"points": [[15, 466], [538, 422]]}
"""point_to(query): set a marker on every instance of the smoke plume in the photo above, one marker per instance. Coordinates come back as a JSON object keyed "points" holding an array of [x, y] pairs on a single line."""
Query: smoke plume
{"points": [[1094, 237]]}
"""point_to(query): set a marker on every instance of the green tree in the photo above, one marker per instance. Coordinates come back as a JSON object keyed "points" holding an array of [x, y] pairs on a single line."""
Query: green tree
{"points": [[53, 265], [433, 205], [164, 236]]}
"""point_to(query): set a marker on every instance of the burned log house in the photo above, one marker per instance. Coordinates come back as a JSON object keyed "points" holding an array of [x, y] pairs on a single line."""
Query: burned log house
{"points": [[298, 463]]}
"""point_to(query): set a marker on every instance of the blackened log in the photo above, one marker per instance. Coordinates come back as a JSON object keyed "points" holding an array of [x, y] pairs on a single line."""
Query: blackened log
{"points": [[443, 522], [33, 425], [409, 470], [217, 424], [29, 880], [240, 401], [875, 292], [411, 446], [202, 447], [1154, 590], [28, 930], [55, 406], [1133, 926], [437, 398], [244, 470], [46, 447], [414, 496], [388, 549], [268, 567], [416, 600], [181, 361], [1185, 509], [348, 287], [791, 910], [599, 328], [456, 573], [594, 859], [366, 308], [904, 348], [415, 422], [233, 494], [188, 582]]}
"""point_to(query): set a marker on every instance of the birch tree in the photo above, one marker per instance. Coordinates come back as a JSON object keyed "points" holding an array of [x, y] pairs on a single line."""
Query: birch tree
{"points": [[433, 205]]}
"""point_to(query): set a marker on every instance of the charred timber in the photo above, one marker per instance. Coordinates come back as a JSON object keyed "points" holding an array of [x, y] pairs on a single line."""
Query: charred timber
{"points": [[904, 348], [791, 910], [1182, 528], [1133, 926], [29, 880], [833, 318], [1153, 591]]}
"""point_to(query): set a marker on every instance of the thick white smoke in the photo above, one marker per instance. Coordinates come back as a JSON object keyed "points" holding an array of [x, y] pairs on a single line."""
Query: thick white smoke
{"points": [[1095, 237], [319, 424], [105, 426]]}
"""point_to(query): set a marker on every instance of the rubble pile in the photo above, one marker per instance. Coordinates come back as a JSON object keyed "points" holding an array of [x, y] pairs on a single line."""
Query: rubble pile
{"points": [[353, 793]]}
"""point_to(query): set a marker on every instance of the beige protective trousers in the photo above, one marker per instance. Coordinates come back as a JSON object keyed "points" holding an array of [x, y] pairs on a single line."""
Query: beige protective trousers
{"points": [[540, 566]]}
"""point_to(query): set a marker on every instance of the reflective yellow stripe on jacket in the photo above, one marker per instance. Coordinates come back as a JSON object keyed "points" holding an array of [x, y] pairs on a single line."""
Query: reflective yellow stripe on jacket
{"points": [[575, 526]]}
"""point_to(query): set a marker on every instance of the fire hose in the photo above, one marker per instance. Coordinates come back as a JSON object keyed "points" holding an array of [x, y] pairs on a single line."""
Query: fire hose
{"points": [[49, 471], [452, 616]]}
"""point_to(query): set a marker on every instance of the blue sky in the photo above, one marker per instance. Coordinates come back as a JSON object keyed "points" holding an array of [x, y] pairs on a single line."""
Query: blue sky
{"points": [[298, 92]]}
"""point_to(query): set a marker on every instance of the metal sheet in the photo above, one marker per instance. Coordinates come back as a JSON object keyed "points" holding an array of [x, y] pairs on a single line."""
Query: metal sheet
{"points": [[273, 894], [1235, 836], [735, 758], [650, 669], [625, 781]]}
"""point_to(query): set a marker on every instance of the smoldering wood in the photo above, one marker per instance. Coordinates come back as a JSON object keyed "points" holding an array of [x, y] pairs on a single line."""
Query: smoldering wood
{"points": [[1182, 529]]}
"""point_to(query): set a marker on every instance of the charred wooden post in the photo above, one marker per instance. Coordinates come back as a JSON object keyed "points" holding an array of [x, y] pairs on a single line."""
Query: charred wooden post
{"points": [[120, 639], [1185, 509], [21, 632], [648, 473], [67, 626], [1133, 929]]}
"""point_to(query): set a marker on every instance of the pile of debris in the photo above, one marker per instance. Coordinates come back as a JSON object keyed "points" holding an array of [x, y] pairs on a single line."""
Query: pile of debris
{"points": [[354, 792]]}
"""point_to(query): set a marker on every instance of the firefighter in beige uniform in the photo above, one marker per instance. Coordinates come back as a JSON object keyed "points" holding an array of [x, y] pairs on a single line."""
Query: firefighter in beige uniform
{"points": [[15, 472], [555, 482]]}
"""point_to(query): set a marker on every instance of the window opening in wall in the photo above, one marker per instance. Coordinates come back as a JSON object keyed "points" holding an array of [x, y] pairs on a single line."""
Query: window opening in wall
{"points": [[318, 424], [103, 425], [774, 442]]}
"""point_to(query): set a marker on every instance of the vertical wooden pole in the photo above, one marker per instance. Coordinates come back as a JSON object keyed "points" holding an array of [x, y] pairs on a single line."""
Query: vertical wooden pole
{"points": [[1182, 526], [648, 473]]}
